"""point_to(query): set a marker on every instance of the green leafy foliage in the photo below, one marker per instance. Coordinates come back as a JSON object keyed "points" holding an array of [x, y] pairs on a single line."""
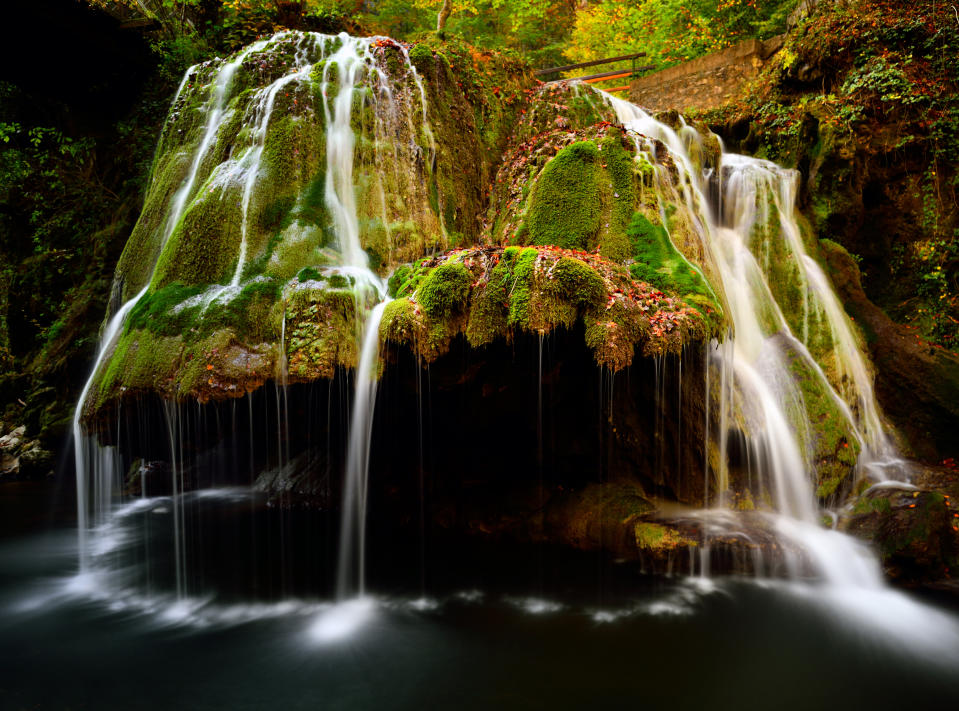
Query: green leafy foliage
{"points": [[672, 31]]}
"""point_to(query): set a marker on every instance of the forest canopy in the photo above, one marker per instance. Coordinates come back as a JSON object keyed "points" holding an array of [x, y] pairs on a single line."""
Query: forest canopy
{"points": [[544, 32]]}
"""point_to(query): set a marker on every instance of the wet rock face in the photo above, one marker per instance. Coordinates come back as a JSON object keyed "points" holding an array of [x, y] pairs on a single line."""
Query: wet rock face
{"points": [[496, 426], [915, 529], [557, 318], [917, 384], [476, 423], [263, 173], [22, 457]]}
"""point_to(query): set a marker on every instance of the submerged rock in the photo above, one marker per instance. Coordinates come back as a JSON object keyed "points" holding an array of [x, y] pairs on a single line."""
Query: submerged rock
{"points": [[617, 519]]}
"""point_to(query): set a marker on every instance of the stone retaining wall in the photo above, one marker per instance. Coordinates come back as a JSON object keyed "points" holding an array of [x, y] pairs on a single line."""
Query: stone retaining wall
{"points": [[706, 82]]}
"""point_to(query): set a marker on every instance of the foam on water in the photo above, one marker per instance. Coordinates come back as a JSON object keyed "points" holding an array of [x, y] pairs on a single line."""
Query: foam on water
{"points": [[342, 620]]}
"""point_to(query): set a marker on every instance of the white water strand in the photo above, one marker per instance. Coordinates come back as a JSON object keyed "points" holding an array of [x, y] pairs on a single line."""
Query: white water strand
{"points": [[879, 455], [84, 446], [353, 522], [751, 359], [216, 117], [263, 112], [351, 61]]}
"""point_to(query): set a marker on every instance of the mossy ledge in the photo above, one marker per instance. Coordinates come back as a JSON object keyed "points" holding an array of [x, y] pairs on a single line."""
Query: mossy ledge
{"points": [[185, 343], [490, 293]]}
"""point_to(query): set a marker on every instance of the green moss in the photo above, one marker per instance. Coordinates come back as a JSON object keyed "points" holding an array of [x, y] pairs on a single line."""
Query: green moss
{"points": [[565, 205], [278, 147], [155, 311], [659, 264], [828, 487], [398, 323], [421, 56], [140, 253], [521, 290], [539, 290], [865, 505], [578, 281], [276, 214], [247, 313], [445, 289], [257, 266], [654, 536], [835, 449], [338, 281], [775, 256], [311, 208], [398, 278], [489, 310], [321, 332], [618, 164], [308, 274], [203, 248]]}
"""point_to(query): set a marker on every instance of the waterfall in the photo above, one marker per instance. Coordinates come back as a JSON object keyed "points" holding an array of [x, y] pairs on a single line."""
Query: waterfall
{"points": [[229, 163], [263, 111], [351, 62], [756, 385], [740, 209]]}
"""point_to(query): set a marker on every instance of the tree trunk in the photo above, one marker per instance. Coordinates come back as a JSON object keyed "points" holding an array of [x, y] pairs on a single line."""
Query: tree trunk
{"points": [[443, 17]]}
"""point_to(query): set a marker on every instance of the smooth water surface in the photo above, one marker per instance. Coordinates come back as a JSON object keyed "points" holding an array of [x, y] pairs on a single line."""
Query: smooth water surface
{"points": [[67, 643]]}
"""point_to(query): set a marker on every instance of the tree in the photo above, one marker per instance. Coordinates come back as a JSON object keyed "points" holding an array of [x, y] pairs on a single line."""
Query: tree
{"points": [[442, 17]]}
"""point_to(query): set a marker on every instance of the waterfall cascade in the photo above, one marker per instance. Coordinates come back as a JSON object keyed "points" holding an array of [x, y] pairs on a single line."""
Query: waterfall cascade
{"points": [[752, 238], [302, 136]]}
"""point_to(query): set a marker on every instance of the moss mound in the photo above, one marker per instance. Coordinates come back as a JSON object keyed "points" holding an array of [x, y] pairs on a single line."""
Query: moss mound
{"points": [[445, 289], [564, 208]]}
